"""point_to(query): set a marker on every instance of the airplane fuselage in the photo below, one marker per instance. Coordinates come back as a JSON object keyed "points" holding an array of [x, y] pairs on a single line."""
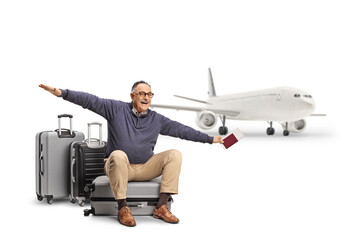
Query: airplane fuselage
{"points": [[275, 104]]}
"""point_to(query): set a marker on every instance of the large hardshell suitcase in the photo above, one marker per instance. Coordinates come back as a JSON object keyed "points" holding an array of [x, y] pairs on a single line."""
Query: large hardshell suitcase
{"points": [[86, 164], [52, 161], [141, 197]]}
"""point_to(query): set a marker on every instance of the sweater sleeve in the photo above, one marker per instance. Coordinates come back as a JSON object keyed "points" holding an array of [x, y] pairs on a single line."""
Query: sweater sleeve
{"points": [[176, 129], [101, 106]]}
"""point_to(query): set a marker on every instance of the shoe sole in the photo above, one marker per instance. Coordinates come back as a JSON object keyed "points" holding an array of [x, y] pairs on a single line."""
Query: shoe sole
{"points": [[158, 217], [126, 224]]}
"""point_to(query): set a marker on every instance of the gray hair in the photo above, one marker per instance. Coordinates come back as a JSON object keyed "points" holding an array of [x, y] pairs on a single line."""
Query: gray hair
{"points": [[137, 83]]}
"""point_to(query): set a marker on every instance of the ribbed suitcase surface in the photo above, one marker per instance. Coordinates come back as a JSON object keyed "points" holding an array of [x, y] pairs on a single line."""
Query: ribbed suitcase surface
{"points": [[87, 164]]}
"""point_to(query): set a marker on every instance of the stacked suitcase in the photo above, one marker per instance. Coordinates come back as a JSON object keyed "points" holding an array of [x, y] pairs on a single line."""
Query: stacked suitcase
{"points": [[141, 197]]}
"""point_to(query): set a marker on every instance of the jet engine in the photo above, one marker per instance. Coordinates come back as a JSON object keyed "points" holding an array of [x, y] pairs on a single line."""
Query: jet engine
{"points": [[296, 126], [206, 120]]}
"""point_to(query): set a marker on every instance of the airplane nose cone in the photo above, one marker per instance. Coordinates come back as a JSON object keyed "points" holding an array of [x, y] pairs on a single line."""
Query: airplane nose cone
{"points": [[310, 103], [313, 105]]}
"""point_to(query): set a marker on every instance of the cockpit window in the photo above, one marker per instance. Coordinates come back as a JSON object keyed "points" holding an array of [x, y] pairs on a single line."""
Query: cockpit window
{"points": [[298, 95]]}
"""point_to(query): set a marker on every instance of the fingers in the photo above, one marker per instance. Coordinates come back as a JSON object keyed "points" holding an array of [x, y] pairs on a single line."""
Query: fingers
{"points": [[46, 87], [54, 91], [218, 139]]}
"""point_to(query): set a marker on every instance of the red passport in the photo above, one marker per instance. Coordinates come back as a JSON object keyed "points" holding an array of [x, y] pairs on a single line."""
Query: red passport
{"points": [[232, 138], [229, 141]]}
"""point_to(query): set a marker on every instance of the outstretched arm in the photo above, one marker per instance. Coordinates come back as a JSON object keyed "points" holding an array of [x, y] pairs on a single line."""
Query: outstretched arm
{"points": [[176, 129], [101, 106]]}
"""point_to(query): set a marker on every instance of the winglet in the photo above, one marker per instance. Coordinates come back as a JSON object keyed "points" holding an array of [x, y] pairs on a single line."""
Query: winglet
{"points": [[211, 92]]}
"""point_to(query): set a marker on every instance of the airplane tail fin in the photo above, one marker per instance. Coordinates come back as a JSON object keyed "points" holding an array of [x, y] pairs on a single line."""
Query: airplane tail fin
{"points": [[211, 91]]}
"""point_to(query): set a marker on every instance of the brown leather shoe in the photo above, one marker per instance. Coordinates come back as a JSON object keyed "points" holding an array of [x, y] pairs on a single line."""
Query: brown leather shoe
{"points": [[125, 217], [164, 214]]}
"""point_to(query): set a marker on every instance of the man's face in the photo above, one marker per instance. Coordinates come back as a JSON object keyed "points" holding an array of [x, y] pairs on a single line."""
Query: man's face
{"points": [[140, 102]]}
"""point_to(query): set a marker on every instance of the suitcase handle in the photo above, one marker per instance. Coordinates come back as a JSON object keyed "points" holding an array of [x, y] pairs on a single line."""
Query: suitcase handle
{"points": [[88, 141], [65, 115], [41, 165], [71, 131], [72, 170], [139, 205]]}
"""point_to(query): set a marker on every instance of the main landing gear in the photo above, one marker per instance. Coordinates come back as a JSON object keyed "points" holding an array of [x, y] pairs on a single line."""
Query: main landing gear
{"points": [[270, 130], [286, 131], [223, 130]]}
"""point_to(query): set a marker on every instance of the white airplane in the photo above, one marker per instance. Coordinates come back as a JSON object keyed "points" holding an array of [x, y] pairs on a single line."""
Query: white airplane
{"points": [[286, 105]]}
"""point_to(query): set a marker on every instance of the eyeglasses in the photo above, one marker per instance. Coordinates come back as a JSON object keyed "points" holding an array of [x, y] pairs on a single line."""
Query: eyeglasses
{"points": [[143, 94]]}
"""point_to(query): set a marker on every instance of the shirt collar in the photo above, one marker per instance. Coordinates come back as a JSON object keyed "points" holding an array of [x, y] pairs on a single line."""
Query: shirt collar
{"points": [[142, 114]]}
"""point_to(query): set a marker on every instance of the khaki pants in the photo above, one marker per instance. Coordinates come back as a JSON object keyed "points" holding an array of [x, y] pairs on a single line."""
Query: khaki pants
{"points": [[120, 171]]}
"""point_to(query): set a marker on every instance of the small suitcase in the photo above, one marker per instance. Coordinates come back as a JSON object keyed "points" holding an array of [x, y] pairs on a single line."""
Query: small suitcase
{"points": [[52, 161], [142, 197], [86, 163]]}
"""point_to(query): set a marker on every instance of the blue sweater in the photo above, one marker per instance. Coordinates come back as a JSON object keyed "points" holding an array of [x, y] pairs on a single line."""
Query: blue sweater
{"points": [[134, 135]]}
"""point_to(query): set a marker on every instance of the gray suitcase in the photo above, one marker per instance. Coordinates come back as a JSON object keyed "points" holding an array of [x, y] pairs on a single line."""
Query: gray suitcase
{"points": [[141, 197], [52, 161]]}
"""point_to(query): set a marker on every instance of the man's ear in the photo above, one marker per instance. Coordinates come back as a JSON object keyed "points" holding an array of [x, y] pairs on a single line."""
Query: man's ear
{"points": [[132, 96]]}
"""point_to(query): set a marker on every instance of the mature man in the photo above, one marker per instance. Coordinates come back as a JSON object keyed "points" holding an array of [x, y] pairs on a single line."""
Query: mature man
{"points": [[133, 130]]}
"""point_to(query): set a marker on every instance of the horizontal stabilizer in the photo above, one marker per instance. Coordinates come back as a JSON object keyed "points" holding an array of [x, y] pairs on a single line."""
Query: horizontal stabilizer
{"points": [[192, 99]]}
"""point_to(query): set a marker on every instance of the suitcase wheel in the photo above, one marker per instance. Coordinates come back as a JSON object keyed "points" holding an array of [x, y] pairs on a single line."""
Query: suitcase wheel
{"points": [[89, 187], [39, 197], [72, 200], [50, 200], [87, 212], [82, 203]]}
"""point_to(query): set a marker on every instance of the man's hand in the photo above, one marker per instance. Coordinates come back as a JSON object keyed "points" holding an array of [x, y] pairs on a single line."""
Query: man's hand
{"points": [[217, 139], [52, 90]]}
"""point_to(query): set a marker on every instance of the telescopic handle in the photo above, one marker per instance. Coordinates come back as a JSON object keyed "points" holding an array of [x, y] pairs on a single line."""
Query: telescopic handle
{"points": [[100, 132], [59, 119]]}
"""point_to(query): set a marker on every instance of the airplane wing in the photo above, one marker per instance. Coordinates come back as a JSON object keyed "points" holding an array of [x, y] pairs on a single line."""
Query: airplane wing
{"points": [[197, 109]]}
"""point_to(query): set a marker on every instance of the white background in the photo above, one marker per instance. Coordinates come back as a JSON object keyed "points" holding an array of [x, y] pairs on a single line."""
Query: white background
{"points": [[305, 186]]}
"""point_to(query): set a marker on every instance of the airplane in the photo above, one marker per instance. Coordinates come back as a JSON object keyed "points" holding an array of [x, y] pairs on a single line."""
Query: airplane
{"points": [[287, 105]]}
